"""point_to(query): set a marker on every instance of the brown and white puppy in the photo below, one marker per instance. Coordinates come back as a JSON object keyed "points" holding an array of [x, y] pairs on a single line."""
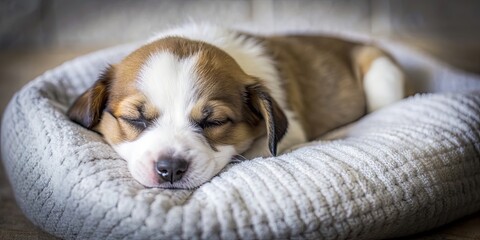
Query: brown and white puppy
{"points": [[179, 108]]}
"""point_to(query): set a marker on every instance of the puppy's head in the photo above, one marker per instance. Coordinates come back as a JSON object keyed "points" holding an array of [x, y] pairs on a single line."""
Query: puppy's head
{"points": [[178, 111]]}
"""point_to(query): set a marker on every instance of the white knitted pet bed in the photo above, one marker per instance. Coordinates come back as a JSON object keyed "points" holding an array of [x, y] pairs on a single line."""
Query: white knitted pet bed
{"points": [[404, 169]]}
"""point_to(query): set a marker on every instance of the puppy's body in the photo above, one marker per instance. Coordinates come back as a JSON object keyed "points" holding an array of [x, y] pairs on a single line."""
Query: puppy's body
{"points": [[194, 97], [319, 81]]}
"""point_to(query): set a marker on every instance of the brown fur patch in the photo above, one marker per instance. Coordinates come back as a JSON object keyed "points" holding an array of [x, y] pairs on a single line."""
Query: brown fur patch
{"points": [[319, 80]]}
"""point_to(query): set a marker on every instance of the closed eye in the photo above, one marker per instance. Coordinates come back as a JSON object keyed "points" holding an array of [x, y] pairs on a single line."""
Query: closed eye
{"points": [[139, 123], [214, 123]]}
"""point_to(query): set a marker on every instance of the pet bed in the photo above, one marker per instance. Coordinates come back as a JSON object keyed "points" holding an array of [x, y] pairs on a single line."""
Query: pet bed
{"points": [[407, 168]]}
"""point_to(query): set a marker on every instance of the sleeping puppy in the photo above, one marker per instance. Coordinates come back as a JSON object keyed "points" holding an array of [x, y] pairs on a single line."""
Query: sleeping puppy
{"points": [[181, 107]]}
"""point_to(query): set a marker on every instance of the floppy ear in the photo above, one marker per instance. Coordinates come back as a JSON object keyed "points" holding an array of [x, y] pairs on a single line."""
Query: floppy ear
{"points": [[88, 108], [275, 120]]}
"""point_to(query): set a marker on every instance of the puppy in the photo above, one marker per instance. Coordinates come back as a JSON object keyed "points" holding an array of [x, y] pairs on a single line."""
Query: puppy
{"points": [[181, 107]]}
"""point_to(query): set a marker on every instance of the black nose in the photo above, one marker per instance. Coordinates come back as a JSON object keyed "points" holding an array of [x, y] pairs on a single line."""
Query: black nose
{"points": [[171, 169]]}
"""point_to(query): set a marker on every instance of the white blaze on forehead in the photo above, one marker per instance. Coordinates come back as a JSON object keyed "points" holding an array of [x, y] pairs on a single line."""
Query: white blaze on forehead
{"points": [[169, 83]]}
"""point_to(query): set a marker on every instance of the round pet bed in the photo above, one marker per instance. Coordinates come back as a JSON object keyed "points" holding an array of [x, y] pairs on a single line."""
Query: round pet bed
{"points": [[404, 169]]}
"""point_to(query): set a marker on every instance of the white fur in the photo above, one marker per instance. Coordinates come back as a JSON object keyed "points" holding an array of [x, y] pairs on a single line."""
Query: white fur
{"points": [[383, 84]]}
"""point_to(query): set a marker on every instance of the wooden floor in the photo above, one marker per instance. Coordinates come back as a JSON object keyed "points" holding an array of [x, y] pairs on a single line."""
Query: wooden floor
{"points": [[17, 68]]}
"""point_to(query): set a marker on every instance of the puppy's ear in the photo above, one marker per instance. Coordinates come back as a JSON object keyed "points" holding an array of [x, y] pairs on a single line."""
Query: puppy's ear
{"points": [[265, 106], [88, 108]]}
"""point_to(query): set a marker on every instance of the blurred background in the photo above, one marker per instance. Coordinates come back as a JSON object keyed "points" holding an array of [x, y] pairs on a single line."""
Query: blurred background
{"points": [[36, 35]]}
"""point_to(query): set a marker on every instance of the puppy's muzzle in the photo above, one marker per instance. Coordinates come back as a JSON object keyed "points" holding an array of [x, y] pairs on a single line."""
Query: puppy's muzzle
{"points": [[171, 169]]}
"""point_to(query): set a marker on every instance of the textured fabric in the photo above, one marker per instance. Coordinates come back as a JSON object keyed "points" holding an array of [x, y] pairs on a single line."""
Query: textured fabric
{"points": [[404, 169]]}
